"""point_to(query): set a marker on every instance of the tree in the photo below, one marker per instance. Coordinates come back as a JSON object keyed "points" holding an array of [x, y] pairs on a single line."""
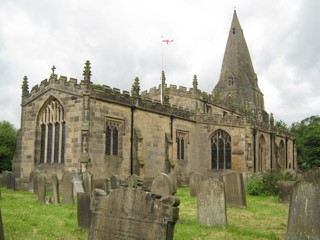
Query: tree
{"points": [[307, 134], [7, 145], [282, 125]]}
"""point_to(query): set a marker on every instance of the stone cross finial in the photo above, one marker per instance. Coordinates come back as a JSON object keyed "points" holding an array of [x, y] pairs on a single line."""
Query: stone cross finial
{"points": [[25, 86], [52, 74], [87, 71]]}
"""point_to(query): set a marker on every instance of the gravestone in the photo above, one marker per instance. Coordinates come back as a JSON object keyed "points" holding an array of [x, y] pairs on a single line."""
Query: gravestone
{"points": [[41, 188], [211, 203], [67, 187], [55, 189], [107, 185], [35, 182], [84, 211], [114, 182], [87, 182], [10, 180], [77, 183], [195, 182], [304, 212], [162, 185], [129, 213], [174, 181], [31, 176], [235, 190], [285, 190], [1, 227], [312, 175]]}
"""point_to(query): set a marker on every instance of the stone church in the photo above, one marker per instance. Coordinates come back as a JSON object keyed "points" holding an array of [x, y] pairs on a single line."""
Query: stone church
{"points": [[70, 125]]}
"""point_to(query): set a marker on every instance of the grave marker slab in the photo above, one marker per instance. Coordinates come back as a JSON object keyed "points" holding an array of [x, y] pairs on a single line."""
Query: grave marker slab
{"points": [[1, 227], [114, 182], [41, 189], [67, 187], [77, 183], [285, 190], [129, 213], [55, 189], [10, 180], [174, 181], [304, 212], [35, 183], [235, 190], [211, 203], [87, 182], [195, 182], [84, 211], [162, 185]]}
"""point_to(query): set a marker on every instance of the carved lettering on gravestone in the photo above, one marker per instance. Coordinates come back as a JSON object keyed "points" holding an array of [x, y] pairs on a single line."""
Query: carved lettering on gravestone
{"points": [[84, 211], [235, 190], [1, 227], [67, 187], [162, 185], [285, 190], [77, 183], [55, 189], [304, 212], [195, 181], [41, 188], [211, 203], [129, 213]]}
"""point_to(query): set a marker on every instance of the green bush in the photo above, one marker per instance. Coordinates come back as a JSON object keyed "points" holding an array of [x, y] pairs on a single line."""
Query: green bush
{"points": [[266, 183]]}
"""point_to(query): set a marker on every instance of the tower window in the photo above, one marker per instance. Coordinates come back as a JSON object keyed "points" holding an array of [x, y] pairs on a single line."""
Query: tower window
{"points": [[233, 30]]}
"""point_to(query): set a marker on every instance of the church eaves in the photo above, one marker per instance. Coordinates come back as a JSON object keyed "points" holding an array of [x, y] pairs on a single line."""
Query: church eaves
{"points": [[238, 80]]}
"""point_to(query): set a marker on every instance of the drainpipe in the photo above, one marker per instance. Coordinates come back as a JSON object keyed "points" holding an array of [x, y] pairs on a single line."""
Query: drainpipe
{"points": [[171, 124], [254, 149], [131, 138]]}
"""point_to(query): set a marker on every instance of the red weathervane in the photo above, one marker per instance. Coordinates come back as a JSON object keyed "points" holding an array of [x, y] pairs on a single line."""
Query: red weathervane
{"points": [[167, 41]]}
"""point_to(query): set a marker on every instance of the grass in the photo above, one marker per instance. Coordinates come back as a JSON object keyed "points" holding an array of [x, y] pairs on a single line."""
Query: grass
{"points": [[24, 218]]}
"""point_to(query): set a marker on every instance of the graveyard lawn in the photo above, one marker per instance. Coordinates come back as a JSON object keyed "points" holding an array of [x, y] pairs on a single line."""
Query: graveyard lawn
{"points": [[24, 218]]}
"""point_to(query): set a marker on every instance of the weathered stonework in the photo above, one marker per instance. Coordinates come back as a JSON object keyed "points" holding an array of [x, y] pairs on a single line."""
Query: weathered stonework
{"points": [[151, 137]]}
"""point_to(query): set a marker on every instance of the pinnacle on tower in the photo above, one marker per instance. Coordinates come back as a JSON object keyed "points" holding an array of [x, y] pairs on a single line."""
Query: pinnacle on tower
{"points": [[25, 86], [87, 72], [135, 90]]}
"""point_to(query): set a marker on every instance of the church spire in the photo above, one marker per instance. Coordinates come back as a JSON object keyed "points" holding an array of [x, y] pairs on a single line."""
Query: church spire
{"points": [[237, 76]]}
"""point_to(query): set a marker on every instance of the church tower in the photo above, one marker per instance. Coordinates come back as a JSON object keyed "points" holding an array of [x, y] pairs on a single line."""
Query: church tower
{"points": [[238, 82]]}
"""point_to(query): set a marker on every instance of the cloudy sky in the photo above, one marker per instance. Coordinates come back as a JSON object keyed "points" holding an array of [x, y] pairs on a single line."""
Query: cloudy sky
{"points": [[122, 39]]}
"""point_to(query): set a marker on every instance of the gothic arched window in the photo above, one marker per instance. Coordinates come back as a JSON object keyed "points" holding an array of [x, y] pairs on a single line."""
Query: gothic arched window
{"points": [[52, 132], [220, 150]]}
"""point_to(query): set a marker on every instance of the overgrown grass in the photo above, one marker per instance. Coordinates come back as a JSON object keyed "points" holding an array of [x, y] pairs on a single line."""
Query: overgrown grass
{"points": [[24, 218]]}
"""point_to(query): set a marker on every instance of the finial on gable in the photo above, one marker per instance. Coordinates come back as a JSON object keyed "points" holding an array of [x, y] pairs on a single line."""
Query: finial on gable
{"points": [[25, 86], [195, 83], [53, 75], [87, 71]]}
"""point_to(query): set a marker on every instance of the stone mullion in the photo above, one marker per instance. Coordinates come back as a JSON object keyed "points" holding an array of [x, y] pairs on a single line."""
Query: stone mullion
{"points": [[46, 144], [60, 141], [53, 141]]}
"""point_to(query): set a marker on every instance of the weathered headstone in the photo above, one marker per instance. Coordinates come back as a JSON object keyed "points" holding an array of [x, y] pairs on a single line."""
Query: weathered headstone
{"points": [[67, 187], [312, 175], [129, 213], [1, 180], [235, 190], [134, 181], [211, 203], [55, 189], [107, 185], [31, 176], [87, 182], [285, 190], [195, 182], [1, 227], [41, 188], [174, 181], [77, 183], [304, 212], [114, 182], [84, 211], [162, 185], [10, 180]]}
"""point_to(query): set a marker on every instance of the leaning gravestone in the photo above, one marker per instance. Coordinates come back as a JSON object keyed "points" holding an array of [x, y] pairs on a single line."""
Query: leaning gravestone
{"points": [[67, 187], [1, 227], [304, 212], [129, 213], [55, 189], [195, 182], [41, 189], [235, 190], [84, 211], [285, 190], [77, 183], [162, 185], [211, 203]]}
